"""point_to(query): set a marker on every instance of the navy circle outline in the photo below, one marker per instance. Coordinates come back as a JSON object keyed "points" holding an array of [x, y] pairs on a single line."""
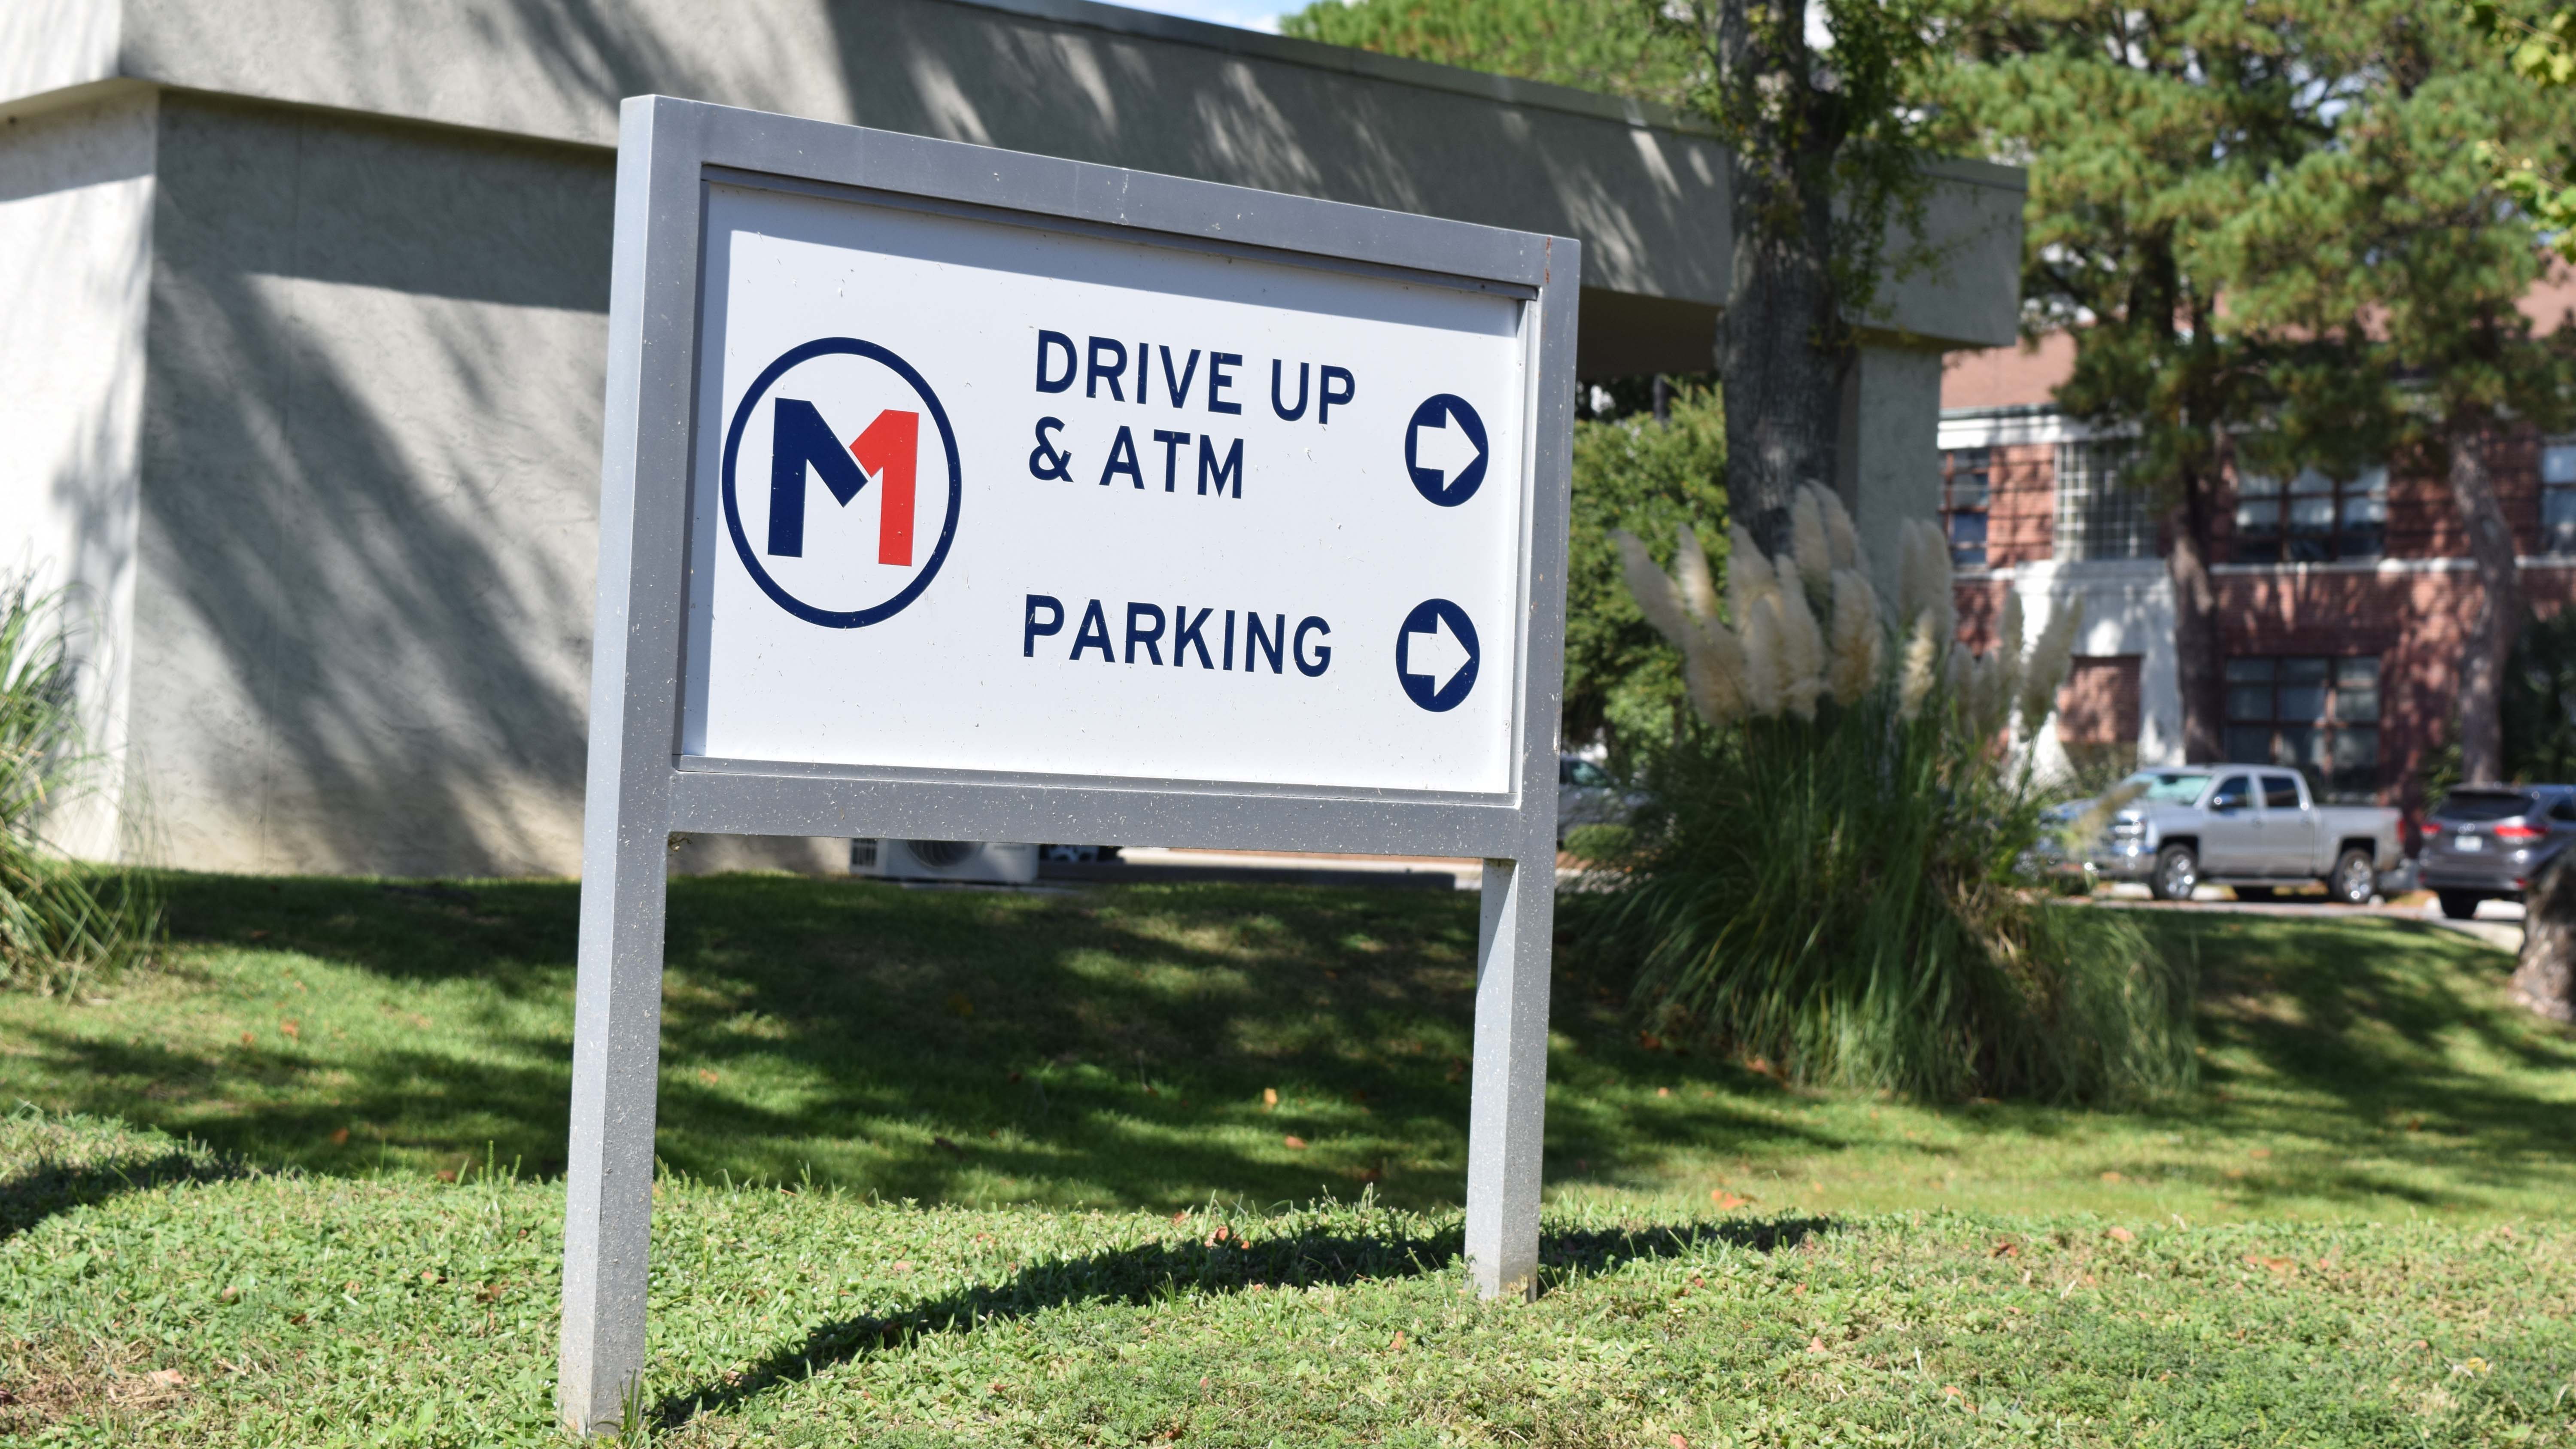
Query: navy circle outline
{"points": [[1448, 492], [1453, 694], [850, 618]]}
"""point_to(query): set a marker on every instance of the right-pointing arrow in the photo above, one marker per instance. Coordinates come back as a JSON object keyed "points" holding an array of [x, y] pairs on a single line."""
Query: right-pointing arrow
{"points": [[1436, 445], [1435, 653]]}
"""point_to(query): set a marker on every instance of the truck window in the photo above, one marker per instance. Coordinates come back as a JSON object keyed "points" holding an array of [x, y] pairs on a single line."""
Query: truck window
{"points": [[2234, 793], [2280, 792], [2168, 787]]}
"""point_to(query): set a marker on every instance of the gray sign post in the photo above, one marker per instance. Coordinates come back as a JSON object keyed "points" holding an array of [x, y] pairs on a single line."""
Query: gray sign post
{"points": [[1428, 732]]}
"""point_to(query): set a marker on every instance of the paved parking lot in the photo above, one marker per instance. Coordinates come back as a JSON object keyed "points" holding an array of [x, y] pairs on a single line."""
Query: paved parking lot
{"points": [[2497, 922]]}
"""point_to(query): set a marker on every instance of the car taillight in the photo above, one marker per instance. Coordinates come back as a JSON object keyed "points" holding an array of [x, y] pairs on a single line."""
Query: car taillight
{"points": [[2518, 832]]}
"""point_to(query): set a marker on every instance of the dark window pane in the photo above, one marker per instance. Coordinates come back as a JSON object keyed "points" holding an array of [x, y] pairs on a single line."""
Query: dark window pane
{"points": [[2478, 805], [2357, 705], [2280, 792], [2301, 746], [2249, 701], [2565, 809], [2255, 485], [2309, 481], [2352, 672], [2233, 794], [2247, 671], [2558, 519], [2304, 670], [2356, 764], [2302, 702], [2246, 742]]}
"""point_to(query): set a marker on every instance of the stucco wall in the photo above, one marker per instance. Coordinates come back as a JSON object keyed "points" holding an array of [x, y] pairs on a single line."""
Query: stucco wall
{"points": [[76, 188], [370, 461]]}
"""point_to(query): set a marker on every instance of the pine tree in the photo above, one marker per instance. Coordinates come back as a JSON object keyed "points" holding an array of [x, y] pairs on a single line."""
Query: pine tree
{"points": [[2149, 129], [2399, 254]]}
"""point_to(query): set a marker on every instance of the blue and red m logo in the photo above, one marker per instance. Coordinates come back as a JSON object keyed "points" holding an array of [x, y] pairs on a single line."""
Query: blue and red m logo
{"points": [[888, 451]]}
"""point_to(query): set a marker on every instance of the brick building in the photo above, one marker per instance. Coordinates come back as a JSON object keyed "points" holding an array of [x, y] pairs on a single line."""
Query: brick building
{"points": [[2343, 605]]}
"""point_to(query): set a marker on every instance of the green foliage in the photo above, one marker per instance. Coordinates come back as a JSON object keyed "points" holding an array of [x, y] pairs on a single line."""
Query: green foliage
{"points": [[1610, 46], [2540, 45], [61, 922], [1623, 683], [1845, 899]]}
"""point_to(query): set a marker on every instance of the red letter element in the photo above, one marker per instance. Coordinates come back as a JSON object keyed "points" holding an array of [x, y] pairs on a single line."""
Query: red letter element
{"points": [[890, 448]]}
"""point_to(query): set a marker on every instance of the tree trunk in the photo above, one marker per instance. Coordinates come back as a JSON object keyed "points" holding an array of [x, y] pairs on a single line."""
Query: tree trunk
{"points": [[2491, 628], [2544, 979], [2198, 663], [1783, 390]]}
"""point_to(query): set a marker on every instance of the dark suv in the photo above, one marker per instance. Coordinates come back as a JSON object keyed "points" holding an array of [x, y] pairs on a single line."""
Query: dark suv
{"points": [[2489, 842]]}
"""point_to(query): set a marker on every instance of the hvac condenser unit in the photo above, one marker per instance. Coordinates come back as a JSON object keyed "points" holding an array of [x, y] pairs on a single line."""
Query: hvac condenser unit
{"points": [[986, 862]]}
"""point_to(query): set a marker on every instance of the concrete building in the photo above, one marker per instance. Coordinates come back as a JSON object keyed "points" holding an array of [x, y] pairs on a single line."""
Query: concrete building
{"points": [[2343, 605], [301, 357]]}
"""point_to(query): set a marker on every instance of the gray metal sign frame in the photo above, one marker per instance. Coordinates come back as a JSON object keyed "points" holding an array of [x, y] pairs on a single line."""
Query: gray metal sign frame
{"points": [[641, 789]]}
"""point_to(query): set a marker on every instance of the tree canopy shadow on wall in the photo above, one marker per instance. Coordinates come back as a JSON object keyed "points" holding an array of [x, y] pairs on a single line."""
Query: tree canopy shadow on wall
{"points": [[370, 491]]}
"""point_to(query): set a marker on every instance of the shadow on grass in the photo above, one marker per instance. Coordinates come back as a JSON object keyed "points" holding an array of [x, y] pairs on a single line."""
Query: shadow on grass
{"points": [[66, 1177], [1157, 1271], [1110, 1047]]}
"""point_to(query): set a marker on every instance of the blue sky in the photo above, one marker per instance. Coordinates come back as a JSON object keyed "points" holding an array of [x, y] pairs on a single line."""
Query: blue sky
{"points": [[1249, 14]]}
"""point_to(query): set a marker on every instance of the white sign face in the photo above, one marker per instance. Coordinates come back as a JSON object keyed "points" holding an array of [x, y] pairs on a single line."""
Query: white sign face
{"points": [[979, 496]]}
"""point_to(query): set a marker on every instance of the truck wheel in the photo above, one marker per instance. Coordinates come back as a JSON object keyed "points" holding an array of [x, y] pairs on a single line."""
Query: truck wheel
{"points": [[2460, 905], [2177, 871], [2355, 879]]}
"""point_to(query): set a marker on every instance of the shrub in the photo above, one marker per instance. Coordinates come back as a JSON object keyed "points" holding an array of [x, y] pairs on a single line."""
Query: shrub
{"points": [[61, 921], [1834, 870]]}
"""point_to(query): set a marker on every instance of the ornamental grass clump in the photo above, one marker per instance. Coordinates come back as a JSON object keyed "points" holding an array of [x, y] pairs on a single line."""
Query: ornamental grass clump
{"points": [[62, 922], [1833, 872]]}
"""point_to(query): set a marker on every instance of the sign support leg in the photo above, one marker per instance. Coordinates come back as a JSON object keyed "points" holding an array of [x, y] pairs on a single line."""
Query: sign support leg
{"points": [[1507, 1107], [608, 1174]]}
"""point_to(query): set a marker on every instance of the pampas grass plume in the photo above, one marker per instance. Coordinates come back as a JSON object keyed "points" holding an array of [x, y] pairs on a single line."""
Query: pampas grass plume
{"points": [[1807, 543], [1921, 668], [1839, 531], [1765, 683], [1748, 576], [1690, 571], [1858, 637], [2049, 662]]}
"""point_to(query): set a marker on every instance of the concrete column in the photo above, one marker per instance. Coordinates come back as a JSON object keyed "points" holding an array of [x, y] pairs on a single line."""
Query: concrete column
{"points": [[1887, 459]]}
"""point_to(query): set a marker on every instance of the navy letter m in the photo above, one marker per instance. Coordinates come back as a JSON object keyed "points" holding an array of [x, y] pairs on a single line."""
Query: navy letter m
{"points": [[802, 437]]}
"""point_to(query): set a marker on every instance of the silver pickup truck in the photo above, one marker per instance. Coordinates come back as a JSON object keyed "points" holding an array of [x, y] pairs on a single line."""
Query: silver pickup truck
{"points": [[2253, 827]]}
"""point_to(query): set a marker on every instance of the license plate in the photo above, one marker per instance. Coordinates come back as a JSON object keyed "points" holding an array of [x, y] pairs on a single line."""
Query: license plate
{"points": [[2469, 842]]}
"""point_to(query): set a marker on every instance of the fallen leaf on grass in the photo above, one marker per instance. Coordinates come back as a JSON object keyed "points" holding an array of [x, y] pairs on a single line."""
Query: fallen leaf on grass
{"points": [[1727, 1202], [707, 1075], [1295, 1143], [1269, 1098], [2112, 1177], [2123, 1235], [1399, 1340], [249, 1040], [171, 1377], [340, 1137], [1815, 1345]]}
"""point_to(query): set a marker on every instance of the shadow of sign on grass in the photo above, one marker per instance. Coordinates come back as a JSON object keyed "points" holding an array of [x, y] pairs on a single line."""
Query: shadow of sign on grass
{"points": [[1223, 1262]]}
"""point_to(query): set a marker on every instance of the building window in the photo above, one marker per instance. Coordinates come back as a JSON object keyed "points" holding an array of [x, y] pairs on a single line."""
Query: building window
{"points": [[2320, 715], [2558, 496], [2097, 517], [1966, 491], [2315, 519]]}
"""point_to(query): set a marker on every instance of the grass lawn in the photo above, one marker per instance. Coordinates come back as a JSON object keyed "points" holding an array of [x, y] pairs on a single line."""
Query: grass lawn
{"points": [[954, 1166]]}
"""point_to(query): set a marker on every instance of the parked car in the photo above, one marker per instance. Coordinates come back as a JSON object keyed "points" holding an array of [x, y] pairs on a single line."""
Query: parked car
{"points": [[2253, 827], [2488, 843], [1586, 795]]}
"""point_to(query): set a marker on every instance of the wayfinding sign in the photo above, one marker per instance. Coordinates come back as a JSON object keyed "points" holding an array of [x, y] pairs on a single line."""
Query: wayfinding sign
{"points": [[1002, 497], [964, 494]]}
